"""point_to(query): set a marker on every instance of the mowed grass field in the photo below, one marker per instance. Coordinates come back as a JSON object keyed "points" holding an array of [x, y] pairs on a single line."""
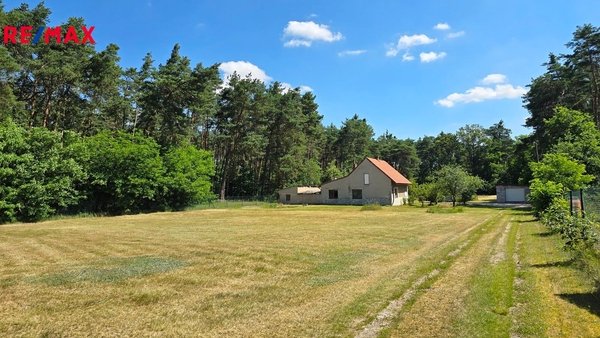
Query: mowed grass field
{"points": [[293, 271]]}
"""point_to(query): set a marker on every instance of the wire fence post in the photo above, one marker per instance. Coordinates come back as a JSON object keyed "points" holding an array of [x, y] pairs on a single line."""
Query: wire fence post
{"points": [[571, 201], [582, 204]]}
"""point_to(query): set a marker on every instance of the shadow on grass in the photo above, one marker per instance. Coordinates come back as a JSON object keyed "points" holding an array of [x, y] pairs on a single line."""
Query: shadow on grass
{"points": [[554, 264], [588, 301], [544, 234], [508, 206]]}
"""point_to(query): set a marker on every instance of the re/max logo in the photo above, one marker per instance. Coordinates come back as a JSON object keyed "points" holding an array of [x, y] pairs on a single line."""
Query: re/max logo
{"points": [[49, 34]]}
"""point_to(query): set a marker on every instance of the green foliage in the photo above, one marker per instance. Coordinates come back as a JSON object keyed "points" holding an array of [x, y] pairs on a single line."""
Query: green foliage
{"points": [[456, 183], [556, 215], [425, 192], [400, 154], [188, 174], [263, 137], [581, 236], [37, 174], [575, 133], [542, 193], [332, 172], [560, 168], [475, 141], [471, 185], [500, 157], [571, 80], [124, 173], [353, 143]]}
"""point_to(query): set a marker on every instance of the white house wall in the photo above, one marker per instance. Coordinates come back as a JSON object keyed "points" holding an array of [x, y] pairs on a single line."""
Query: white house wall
{"points": [[379, 189]]}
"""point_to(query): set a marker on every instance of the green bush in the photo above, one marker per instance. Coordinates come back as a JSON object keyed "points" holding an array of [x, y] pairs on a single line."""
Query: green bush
{"points": [[578, 233], [556, 215], [425, 192], [125, 173], [581, 236], [542, 194], [411, 199], [187, 179], [38, 174]]}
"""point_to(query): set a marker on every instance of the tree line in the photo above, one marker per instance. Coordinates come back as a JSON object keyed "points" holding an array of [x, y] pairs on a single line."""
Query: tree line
{"points": [[263, 137], [564, 106]]}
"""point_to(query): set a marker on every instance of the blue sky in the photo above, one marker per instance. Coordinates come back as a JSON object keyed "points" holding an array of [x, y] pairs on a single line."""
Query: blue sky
{"points": [[413, 68]]}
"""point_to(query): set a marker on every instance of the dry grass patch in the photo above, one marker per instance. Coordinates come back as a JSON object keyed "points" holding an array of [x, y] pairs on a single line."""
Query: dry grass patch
{"points": [[308, 271], [433, 312]]}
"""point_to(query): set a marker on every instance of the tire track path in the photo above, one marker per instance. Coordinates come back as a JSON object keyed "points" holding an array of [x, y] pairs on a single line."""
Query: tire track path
{"points": [[437, 300]]}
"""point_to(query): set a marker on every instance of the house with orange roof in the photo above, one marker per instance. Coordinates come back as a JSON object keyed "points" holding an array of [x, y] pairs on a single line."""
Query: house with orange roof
{"points": [[372, 181]]}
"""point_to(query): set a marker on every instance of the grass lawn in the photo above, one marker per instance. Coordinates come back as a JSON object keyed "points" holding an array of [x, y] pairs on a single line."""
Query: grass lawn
{"points": [[290, 271]]}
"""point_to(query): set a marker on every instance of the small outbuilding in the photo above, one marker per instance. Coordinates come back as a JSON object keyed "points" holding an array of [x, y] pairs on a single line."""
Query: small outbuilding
{"points": [[300, 195], [512, 193]]}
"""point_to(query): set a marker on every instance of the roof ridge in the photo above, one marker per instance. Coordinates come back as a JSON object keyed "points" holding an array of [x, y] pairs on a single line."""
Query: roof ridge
{"points": [[389, 171]]}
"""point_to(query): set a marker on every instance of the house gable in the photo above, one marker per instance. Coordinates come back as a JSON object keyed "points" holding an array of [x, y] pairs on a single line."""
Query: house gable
{"points": [[365, 184], [372, 181]]}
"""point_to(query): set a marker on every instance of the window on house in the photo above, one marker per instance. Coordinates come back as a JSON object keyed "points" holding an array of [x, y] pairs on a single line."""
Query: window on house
{"points": [[333, 194], [357, 194], [396, 192], [288, 197], [366, 179]]}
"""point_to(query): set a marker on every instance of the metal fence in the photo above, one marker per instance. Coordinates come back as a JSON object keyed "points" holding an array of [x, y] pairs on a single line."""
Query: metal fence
{"points": [[237, 202], [585, 202]]}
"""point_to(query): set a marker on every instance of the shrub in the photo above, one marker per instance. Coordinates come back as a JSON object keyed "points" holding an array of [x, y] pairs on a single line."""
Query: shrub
{"points": [[555, 217], [411, 199], [542, 194], [124, 173], [456, 183], [37, 173], [581, 236], [187, 179], [425, 192]]}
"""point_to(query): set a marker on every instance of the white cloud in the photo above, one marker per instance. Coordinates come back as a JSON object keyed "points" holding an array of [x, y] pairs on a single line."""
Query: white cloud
{"points": [[479, 94], [455, 35], [391, 52], [243, 69], [494, 79], [287, 87], [431, 56], [304, 33], [297, 43], [442, 26], [304, 89], [352, 52], [408, 41], [407, 57]]}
